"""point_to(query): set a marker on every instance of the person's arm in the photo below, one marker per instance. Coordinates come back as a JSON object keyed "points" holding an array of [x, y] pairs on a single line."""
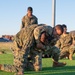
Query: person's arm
{"points": [[40, 46], [58, 44], [37, 21], [23, 22]]}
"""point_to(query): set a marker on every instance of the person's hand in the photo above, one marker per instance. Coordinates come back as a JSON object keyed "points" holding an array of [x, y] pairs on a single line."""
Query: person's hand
{"points": [[43, 37], [40, 46]]}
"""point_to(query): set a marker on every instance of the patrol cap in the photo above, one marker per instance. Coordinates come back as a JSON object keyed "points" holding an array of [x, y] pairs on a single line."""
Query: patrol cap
{"points": [[30, 9]]}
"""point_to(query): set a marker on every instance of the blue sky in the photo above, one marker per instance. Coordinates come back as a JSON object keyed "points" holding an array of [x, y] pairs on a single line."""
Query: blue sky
{"points": [[12, 11]]}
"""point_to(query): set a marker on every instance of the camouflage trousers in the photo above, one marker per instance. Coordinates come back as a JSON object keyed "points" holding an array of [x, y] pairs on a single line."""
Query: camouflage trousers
{"points": [[67, 50], [18, 65], [54, 52], [35, 61], [36, 56], [21, 61]]}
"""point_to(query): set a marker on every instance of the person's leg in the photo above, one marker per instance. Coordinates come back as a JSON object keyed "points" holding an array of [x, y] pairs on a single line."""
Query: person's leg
{"points": [[20, 62], [18, 66], [38, 62], [70, 56], [55, 57], [63, 53], [71, 52], [8, 68], [36, 59]]}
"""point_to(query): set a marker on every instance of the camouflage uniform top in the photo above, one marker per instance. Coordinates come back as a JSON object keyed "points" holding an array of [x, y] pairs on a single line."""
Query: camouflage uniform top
{"points": [[40, 29], [29, 21], [37, 32], [64, 41]]}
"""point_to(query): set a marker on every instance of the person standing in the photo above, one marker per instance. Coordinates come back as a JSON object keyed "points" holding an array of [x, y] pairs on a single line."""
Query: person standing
{"points": [[29, 18]]}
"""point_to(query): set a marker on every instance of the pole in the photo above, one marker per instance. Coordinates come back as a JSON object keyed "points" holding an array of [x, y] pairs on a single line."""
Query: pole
{"points": [[53, 12]]}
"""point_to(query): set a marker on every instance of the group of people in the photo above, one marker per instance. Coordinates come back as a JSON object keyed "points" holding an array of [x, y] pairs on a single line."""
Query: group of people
{"points": [[66, 43], [34, 39]]}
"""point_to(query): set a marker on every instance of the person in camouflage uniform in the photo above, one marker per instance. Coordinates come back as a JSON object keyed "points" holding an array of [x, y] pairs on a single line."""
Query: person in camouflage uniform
{"points": [[32, 40], [29, 18], [65, 44]]}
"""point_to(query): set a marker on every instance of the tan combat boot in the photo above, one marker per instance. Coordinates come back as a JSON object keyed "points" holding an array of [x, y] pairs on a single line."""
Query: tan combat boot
{"points": [[58, 64]]}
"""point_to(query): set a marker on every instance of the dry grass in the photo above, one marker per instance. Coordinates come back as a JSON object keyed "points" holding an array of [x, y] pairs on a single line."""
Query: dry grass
{"points": [[5, 46]]}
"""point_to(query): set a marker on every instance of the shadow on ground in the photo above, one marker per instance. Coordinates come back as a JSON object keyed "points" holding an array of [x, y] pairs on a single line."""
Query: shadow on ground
{"points": [[67, 70]]}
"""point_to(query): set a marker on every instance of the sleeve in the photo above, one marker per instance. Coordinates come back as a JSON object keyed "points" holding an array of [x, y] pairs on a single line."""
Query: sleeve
{"points": [[36, 20], [58, 44], [23, 22]]}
